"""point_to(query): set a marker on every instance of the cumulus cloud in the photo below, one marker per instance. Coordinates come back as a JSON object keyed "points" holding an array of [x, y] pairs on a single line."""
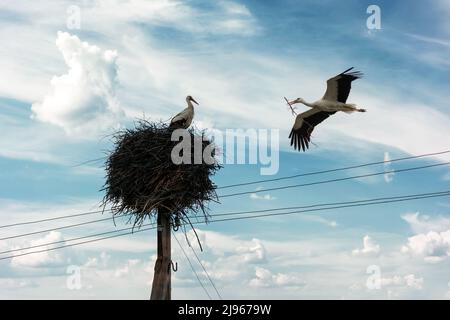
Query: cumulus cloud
{"points": [[83, 100], [125, 270], [98, 262], [370, 247], [265, 278], [424, 223], [52, 258], [432, 246], [256, 196], [253, 254], [10, 283], [409, 281], [389, 175]]}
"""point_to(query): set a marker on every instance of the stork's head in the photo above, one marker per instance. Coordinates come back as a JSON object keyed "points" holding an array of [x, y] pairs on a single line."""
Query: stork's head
{"points": [[189, 98], [298, 100]]}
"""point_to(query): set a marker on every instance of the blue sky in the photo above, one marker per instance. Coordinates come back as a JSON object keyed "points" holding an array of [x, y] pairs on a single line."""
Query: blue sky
{"points": [[63, 90]]}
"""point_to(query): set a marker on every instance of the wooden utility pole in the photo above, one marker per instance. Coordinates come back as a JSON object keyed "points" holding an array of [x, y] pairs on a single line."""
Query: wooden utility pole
{"points": [[161, 288]]}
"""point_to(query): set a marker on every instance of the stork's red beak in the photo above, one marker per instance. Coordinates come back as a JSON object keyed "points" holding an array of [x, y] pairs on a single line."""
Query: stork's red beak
{"points": [[192, 99]]}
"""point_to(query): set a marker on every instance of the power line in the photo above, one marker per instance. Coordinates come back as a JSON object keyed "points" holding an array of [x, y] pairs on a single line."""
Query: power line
{"points": [[329, 208], [89, 161], [242, 184], [334, 180], [54, 218], [206, 272], [413, 196], [192, 267], [74, 239], [74, 244], [57, 228], [333, 170], [330, 204], [442, 194]]}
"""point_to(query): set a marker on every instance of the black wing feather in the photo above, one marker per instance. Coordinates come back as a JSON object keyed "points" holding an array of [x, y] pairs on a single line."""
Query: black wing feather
{"points": [[345, 83], [301, 137]]}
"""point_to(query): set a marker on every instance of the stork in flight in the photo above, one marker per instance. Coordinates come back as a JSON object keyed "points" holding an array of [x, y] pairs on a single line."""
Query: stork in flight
{"points": [[184, 118], [334, 100]]}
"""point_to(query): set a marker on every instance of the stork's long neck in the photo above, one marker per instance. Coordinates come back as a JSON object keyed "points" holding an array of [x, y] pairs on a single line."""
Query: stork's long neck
{"points": [[190, 105], [306, 103]]}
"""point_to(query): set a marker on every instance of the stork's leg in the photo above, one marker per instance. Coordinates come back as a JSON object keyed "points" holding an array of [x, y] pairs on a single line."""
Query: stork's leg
{"points": [[350, 107]]}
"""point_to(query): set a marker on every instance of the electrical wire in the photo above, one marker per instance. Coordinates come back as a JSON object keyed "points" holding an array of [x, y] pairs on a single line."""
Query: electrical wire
{"points": [[249, 217], [206, 272], [54, 218], [334, 180], [252, 182], [192, 267], [333, 170]]}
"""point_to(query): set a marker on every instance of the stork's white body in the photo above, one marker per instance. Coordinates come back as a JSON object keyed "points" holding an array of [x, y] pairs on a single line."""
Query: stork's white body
{"points": [[331, 106], [187, 115]]}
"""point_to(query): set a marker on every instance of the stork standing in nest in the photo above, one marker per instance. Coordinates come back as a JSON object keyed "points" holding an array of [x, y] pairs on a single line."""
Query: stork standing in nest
{"points": [[334, 100], [184, 118]]}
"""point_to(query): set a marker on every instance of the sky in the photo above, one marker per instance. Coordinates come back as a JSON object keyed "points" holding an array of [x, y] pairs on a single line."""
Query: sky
{"points": [[74, 72]]}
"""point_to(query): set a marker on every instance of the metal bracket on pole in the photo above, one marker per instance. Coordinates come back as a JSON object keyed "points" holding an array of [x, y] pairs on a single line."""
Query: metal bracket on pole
{"points": [[174, 266]]}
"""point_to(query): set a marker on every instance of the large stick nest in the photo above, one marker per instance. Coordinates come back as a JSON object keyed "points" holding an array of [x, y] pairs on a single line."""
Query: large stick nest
{"points": [[141, 177]]}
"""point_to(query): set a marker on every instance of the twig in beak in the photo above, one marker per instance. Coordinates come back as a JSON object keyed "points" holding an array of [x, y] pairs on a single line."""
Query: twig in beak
{"points": [[290, 106]]}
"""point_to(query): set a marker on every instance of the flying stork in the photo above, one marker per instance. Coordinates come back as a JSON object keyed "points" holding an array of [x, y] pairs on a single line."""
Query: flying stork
{"points": [[335, 99], [184, 118]]}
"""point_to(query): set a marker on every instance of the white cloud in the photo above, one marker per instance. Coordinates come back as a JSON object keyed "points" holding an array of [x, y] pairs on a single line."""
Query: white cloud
{"points": [[265, 278], [222, 17], [256, 196], [83, 100], [388, 176], [51, 258], [432, 246], [409, 281], [253, 254], [126, 269], [370, 247], [413, 282], [424, 223], [431, 40], [98, 262], [11, 284]]}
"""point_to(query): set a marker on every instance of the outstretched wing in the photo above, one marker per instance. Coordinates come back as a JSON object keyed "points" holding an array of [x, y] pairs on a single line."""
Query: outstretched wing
{"points": [[338, 87], [304, 125]]}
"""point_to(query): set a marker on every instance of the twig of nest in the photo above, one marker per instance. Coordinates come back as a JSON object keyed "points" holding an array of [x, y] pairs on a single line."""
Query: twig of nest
{"points": [[142, 178]]}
